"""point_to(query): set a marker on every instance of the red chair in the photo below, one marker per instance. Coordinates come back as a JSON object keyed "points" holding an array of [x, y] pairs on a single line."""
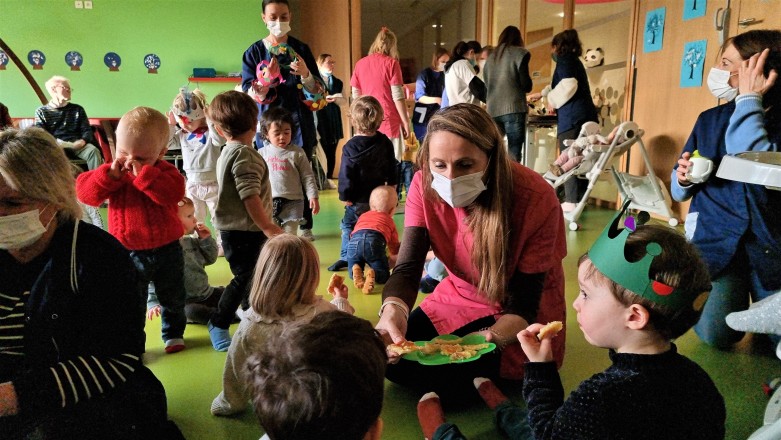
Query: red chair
{"points": [[105, 148]]}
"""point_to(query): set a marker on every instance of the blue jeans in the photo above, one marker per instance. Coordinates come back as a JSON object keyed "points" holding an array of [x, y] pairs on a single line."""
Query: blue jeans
{"points": [[351, 214], [242, 249], [368, 247], [164, 266], [732, 289], [510, 419], [514, 126], [406, 171]]}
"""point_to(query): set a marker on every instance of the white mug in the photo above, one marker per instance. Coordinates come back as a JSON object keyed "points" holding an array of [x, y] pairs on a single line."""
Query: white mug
{"points": [[700, 169]]}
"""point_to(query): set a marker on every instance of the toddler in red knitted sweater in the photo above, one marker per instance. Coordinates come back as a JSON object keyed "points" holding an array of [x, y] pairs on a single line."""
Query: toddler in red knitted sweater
{"points": [[143, 191]]}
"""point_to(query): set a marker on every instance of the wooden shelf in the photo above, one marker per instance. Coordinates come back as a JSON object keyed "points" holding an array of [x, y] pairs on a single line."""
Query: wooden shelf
{"points": [[234, 79]]}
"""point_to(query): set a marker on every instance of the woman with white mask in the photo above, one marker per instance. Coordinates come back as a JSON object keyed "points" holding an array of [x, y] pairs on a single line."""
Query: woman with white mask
{"points": [[272, 70], [734, 225], [70, 351], [498, 229]]}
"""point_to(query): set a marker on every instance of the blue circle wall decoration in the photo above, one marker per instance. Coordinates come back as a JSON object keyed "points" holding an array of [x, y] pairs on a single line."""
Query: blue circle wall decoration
{"points": [[112, 61], [152, 63], [3, 60], [74, 60], [37, 59]]}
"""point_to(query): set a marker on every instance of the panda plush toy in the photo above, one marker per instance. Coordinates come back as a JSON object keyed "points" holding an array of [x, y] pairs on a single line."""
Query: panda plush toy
{"points": [[594, 57]]}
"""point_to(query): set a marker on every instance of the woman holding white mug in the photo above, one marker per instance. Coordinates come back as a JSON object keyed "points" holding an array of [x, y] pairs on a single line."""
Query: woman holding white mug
{"points": [[733, 224]]}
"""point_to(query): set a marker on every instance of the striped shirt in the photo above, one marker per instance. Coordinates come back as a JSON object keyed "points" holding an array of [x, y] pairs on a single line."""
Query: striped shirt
{"points": [[68, 381], [68, 123]]}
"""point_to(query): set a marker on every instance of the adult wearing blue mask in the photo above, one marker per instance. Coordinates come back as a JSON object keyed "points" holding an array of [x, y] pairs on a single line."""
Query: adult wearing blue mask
{"points": [[734, 225], [498, 229]]}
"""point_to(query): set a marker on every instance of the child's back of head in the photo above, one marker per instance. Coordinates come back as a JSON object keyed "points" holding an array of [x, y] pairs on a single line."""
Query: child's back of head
{"points": [[286, 274], [366, 114], [383, 199], [673, 288], [320, 380], [234, 113]]}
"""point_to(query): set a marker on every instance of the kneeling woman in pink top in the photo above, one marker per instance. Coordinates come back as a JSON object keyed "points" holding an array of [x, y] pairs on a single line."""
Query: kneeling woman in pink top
{"points": [[498, 228]]}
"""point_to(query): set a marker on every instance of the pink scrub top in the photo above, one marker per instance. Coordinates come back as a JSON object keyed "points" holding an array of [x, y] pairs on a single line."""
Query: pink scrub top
{"points": [[374, 75], [537, 244]]}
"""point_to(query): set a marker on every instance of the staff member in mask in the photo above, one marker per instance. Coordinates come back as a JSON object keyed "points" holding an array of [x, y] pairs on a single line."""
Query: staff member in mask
{"points": [[498, 229], [290, 64], [735, 225], [73, 322]]}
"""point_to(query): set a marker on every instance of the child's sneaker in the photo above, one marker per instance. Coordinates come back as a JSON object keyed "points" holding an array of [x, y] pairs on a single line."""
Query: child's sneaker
{"points": [[556, 170], [220, 337], [358, 276], [174, 345], [368, 285]]}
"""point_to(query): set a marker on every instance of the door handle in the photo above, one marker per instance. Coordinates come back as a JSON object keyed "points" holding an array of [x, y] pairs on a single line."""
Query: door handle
{"points": [[746, 22]]}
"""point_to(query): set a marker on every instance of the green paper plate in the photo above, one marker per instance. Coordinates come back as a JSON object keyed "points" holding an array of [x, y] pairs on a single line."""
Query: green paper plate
{"points": [[441, 359]]}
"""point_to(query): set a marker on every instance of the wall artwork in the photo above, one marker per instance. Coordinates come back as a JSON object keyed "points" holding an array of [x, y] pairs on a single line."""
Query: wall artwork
{"points": [[654, 30], [3, 60], [694, 8], [692, 63], [74, 60], [152, 63], [112, 61], [37, 59]]}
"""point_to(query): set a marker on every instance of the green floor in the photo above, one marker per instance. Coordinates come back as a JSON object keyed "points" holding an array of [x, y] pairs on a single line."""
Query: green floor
{"points": [[192, 378]]}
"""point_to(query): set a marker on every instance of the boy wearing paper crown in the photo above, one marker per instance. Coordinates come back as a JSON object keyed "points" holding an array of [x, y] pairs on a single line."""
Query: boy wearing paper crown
{"points": [[640, 288]]}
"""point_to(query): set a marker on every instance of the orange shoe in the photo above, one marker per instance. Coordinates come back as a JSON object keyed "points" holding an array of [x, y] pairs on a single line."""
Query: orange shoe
{"points": [[368, 285], [358, 276]]}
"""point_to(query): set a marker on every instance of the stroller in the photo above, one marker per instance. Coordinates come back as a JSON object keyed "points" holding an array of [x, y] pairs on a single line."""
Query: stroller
{"points": [[646, 192]]}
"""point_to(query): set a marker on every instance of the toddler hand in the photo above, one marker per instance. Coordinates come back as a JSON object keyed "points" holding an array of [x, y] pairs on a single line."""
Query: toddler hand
{"points": [[340, 291], [153, 312], [202, 230], [683, 168], [117, 168], [134, 167], [536, 350]]}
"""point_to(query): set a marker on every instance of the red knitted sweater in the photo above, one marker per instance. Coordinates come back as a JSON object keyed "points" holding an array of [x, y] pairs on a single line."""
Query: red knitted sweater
{"points": [[142, 209]]}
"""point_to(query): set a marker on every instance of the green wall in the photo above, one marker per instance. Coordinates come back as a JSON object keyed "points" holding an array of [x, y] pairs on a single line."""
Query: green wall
{"points": [[183, 33]]}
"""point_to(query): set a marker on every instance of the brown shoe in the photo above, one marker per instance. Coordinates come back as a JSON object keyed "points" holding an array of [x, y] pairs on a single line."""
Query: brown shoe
{"points": [[368, 286], [358, 276], [556, 170]]}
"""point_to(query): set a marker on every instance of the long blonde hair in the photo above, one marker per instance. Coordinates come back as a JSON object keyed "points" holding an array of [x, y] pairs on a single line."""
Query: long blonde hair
{"points": [[286, 274], [489, 215], [33, 164], [385, 43]]}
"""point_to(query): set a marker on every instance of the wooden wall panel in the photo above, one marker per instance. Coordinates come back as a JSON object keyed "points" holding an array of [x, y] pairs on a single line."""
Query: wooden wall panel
{"points": [[662, 108]]}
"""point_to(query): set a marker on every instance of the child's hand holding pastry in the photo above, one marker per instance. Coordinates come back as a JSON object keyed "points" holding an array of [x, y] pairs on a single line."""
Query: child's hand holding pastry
{"points": [[536, 341]]}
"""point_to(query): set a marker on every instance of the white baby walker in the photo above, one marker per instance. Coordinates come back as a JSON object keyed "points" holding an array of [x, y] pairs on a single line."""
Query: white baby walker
{"points": [[646, 192]]}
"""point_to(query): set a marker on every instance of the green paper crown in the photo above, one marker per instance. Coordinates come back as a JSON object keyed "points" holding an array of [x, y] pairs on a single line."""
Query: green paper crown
{"points": [[607, 255]]}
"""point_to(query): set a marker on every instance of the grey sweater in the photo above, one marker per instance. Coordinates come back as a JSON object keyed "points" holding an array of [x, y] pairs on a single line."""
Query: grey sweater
{"points": [[241, 173], [507, 81], [289, 172]]}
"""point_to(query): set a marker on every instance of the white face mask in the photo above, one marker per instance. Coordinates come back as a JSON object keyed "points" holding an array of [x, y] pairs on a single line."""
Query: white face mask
{"points": [[278, 28], [18, 231], [718, 83], [461, 191], [442, 66], [481, 64]]}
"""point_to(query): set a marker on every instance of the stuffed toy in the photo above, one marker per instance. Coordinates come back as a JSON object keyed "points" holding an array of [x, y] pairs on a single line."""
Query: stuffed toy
{"points": [[594, 57]]}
